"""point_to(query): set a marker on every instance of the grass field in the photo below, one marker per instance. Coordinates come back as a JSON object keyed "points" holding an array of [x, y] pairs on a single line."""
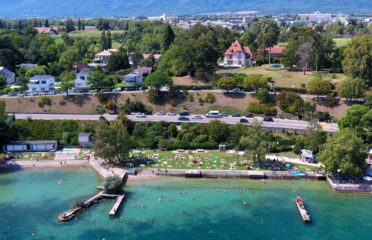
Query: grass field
{"points": [[91, 33], [283, 77], [340, 42], [210, 159]]}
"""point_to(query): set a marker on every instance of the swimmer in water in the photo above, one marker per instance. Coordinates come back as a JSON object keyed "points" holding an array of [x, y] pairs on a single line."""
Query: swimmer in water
{"points": [[61, 181]]}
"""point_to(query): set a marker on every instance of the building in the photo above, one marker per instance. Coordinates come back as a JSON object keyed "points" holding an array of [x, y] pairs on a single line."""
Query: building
{"points": [[133, 78], [85, 140], [31, 146], [8, 75], [81, 79], [27, 65], [307, 156], [145, 71], [238, 56], [276, 52], [149, 56], [41, 83], [104, 56], [79, 66], [316, 17], [47, 30]]}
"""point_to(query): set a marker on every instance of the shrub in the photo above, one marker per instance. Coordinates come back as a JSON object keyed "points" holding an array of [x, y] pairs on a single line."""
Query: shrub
{"points": [[100, 109], [191, 97], [45, 100], [263, 95], [113, 185], [102, 98], [201, 101], [257, 108], [210, 98], [110, 104]]}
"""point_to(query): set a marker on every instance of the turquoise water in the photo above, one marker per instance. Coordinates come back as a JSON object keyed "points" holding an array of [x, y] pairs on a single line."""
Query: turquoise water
{"points": [[175, 208]]}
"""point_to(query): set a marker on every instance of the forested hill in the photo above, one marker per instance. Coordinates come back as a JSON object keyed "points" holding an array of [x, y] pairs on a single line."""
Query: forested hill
{"points": [[106, 8]]}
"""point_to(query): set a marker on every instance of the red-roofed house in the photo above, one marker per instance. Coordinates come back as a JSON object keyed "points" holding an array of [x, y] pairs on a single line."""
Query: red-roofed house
{"points": [[238, 56], [276, 52]]}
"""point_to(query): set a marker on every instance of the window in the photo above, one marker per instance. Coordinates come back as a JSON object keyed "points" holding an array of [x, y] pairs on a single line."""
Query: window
{"points": [[42, 89], [82, 78], [33, 89], [43, 82]]}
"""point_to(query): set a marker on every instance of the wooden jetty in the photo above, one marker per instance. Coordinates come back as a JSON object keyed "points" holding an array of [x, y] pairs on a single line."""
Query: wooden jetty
{"points": [[70, 214], [117, 204], [193, 173], [301, 208]]}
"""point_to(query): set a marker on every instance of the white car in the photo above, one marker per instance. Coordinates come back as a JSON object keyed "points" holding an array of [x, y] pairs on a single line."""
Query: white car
{"points": [[160, 113], [367, 178], [140, 115], [197, 117], [171, 114]]}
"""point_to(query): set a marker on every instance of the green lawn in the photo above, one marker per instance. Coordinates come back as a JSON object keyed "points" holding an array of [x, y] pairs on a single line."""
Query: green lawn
{"points": [[91, 33], [283, 77], [340, 42], [34, 156], [211, 159]]}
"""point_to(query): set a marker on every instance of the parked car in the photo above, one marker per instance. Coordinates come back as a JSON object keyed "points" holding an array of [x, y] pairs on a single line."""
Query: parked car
{"points": [[140, 115], [93, 91], [171, 114], [237, 90], [21, 95], [236, 115], [249, 115], [116, 90], [197, 117], [184, 113], [243, 120], [135, 113], [142, 88], [223, 114], [160, 113], [114, 112], [268, 119], [183, 119], [105, 90]]}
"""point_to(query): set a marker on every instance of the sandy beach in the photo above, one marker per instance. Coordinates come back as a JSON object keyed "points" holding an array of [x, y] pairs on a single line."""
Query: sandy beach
{"points": [[51, 164]]}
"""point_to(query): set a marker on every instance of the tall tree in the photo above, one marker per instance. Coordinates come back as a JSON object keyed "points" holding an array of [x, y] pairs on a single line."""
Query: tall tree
{"points": [[304, 53], [357, 61], [113, 142], [269, 36], [168, 37], [67, 81], [352, 88], [46, 23], [95, 78], [254, 142], [70, 26], [118, 61], [108, 44], [103, 40], [79, 24], [4, 127], [344, 154]]}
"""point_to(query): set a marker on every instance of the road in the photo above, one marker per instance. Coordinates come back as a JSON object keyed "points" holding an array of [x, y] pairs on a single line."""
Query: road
{"points": [[277, 124]]}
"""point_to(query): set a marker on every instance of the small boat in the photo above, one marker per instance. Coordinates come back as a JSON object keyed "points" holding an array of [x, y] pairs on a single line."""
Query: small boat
{"points": [[301, 208]]}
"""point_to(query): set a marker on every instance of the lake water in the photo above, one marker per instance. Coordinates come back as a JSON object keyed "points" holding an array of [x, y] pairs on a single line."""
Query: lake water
{"points": [[175, 208]]}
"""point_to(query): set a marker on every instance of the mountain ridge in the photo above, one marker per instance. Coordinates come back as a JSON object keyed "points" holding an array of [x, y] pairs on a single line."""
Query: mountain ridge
{"points": [[132, 8]]}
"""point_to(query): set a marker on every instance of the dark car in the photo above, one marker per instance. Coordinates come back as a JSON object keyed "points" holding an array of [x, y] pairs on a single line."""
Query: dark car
{"points": [[142, 88], [183, 119], [249, 115], [184, 113], [243, 120], [114, 112], [236, 115], [105, 90], [268, 119], [223, 114]]}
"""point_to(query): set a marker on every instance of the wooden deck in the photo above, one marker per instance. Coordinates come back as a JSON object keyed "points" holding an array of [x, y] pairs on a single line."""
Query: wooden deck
{"points": [[303, 212], [117, 204]]}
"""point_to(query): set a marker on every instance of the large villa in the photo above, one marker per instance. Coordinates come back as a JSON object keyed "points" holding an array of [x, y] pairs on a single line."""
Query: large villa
{"points": [[238, 55]]}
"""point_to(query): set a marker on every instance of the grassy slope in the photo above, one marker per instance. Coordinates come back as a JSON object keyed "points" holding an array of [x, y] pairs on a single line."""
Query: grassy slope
{"points": [[91, 33], [283, 78]]}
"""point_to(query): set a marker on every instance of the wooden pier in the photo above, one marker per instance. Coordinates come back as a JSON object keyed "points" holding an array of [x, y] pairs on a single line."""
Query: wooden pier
{"points": [[301, 208], [70, 214], [117, 204]]}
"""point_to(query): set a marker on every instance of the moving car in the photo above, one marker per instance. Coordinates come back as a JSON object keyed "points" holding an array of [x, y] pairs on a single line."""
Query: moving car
{"points": [[140, 115], [223, 114], [236, 115], [160, 114], [171, 114], [268, 119], [213, 114], [197, 117], [183, 119], [184, 113], [249, 115], [243, 120]]}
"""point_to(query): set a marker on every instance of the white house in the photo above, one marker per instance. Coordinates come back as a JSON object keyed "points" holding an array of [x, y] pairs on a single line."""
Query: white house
{"points": [[104, 56], [133, 78], [41, 83], [31, 146], [85, 140], [8, 75], [81, 79], [238, 56], [317, 17], [369, 158]]}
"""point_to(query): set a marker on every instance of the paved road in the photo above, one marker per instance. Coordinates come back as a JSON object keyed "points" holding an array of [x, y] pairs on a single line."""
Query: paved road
{"points": [[277, 124]]}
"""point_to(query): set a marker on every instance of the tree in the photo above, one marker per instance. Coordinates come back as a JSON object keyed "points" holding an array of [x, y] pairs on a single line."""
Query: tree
{"points": [[2, 81], [254, 82], [218, 132], [227, 83], [95, 77], [67, 81], [344, 154], [4, 126], [70, 26], [352, 88], [263, 95], [269, 36], [254, 142], [158, 80], [118, 61], [108, 42], [46, 23], [319, 86], [79, 24], [113, 185], [103, 40], [168, 37], [357, 61], [304, 53], [113, 142], [38, 70]]}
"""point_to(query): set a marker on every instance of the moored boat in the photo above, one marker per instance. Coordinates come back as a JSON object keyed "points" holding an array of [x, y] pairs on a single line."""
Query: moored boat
{"points": [[301, 208]]}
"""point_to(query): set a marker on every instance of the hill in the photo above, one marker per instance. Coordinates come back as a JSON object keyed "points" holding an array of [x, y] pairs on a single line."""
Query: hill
{"points": [[106, 8]]}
